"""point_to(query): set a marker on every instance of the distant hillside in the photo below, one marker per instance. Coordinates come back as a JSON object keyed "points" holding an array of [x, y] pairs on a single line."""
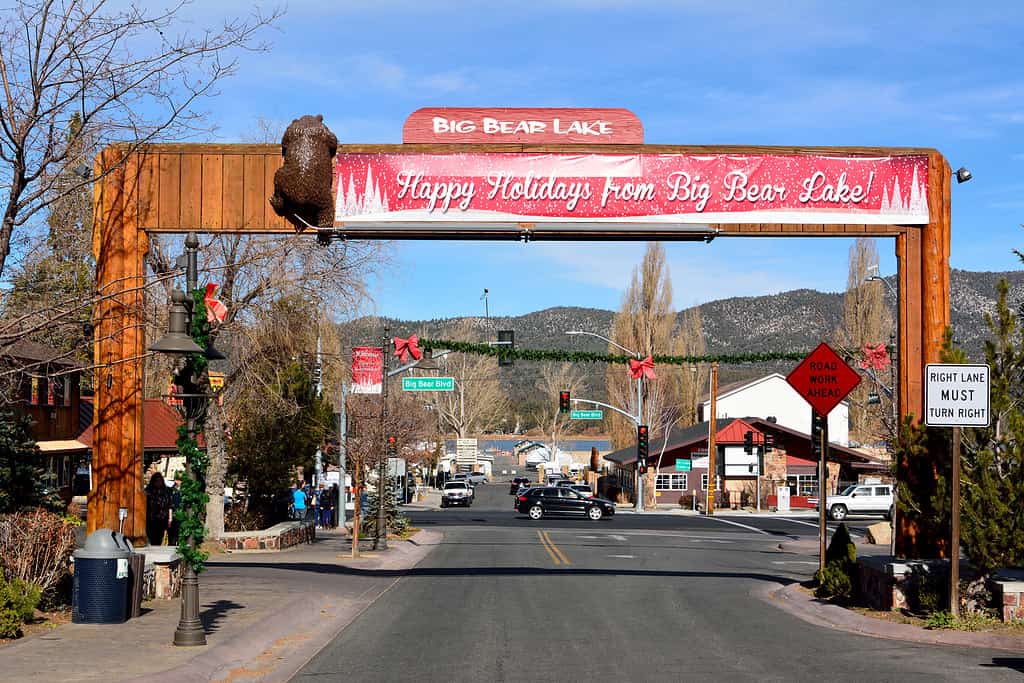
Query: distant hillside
{"points": [[798, 319]]}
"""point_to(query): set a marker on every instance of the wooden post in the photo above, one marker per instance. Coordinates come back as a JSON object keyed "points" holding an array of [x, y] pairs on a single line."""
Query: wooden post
{"points": [[712, 447], [119, 249]]}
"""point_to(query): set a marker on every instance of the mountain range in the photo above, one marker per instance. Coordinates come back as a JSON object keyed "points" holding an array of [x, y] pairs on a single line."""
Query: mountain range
{"points": [[793, 320]]}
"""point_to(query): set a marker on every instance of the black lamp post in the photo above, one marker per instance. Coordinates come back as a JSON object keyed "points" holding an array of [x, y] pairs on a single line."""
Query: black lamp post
{"points": [[192, 408]]}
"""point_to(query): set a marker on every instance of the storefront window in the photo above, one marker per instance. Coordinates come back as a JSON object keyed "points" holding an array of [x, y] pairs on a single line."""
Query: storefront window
{"points": [[671, 482], [802, 484]]}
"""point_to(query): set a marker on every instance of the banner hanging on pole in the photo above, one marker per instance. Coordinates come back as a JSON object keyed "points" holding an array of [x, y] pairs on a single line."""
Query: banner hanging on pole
{"points": [[367, 369]]}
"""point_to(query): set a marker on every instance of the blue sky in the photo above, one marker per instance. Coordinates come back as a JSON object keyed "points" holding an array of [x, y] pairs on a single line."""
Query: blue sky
{"points": [[938, 74]]}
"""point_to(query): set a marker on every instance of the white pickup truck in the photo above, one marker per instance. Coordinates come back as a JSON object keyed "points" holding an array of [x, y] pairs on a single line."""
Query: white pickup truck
{"points": [[861, 499], [456, 493]]}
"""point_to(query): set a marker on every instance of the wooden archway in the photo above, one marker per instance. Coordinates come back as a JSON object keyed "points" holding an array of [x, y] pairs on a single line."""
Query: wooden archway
{"points": [[224, 188]]}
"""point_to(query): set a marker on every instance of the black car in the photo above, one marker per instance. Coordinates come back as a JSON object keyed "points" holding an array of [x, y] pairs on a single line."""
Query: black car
{"points": [[559, 500], [516, 483]]}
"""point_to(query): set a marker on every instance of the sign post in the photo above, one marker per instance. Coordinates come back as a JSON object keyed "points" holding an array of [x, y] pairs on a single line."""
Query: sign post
{"points": [[956, 395], [823, 379]]}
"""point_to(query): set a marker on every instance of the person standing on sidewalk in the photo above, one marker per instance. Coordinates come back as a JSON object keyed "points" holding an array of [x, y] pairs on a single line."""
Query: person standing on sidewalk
{"points": [[331, 500], [317, 495], [299, 502], [158, 507]]}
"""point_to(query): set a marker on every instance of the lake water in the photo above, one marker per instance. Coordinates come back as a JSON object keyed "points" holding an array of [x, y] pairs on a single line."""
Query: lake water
{"points": [[506, 443]]}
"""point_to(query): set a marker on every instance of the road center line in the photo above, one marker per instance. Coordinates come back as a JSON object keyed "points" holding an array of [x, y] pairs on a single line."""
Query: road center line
{"points": [[544, 542], [742, 526], [558, 551]]}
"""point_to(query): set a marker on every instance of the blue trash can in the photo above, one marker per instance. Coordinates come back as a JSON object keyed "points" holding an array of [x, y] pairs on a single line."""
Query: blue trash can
{"points": [[100, 586]]}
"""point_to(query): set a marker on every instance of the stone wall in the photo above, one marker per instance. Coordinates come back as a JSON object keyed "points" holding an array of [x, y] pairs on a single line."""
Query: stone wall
{"points": [[1008, 590], [277, 537]]}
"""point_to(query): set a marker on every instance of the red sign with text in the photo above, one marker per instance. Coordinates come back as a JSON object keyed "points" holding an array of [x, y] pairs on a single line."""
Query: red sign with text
{"points": [[367, 369], [823, 379], [459, 125], [664, 189]]}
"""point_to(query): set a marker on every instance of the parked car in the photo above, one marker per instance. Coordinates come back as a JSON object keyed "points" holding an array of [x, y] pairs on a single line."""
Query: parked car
{"points": [[560, 500], [583, 490], [861, 499], [556, 477], [475, 478], [516, 483], [456, 493]]}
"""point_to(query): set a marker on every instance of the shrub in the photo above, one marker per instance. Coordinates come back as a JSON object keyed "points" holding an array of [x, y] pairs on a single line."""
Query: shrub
{"points": [[837, 579], [686, 501], [841, 548], [36, 547], [833, 582], [18, 602]]}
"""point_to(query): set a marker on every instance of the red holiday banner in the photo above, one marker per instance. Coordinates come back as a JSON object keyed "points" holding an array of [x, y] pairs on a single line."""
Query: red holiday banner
{"points": [[660, 189], [367, 369]]}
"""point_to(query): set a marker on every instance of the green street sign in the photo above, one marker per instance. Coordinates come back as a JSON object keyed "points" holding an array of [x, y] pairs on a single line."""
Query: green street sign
{"points": [[683, 465], [586, 415], [428, 384]]}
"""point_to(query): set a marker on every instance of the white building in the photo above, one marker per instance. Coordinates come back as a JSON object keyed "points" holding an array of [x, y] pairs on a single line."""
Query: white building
{"points": [[772, 397]]}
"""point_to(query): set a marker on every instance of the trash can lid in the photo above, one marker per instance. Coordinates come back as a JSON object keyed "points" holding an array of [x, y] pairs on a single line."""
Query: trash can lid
{"points": [[103, 544]]}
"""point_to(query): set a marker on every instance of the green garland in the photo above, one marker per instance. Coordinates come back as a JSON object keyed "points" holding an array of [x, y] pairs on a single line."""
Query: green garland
{"points": [[191, 516], [588, 356]]}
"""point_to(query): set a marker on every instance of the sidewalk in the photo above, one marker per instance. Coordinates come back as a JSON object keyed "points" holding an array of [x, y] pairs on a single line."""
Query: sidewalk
{"points": [[801, 604], [266, 614]]}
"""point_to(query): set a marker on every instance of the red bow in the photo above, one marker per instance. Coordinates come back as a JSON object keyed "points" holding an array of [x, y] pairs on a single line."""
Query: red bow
{"points": [[642, 368], [408, 346], [216, 311], [876, 358]]}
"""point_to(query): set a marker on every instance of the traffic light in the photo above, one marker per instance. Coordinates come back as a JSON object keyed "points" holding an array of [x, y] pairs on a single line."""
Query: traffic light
{"points": [[819, 426], [769, 443], [748, 443], [642, 448], [392, 446], [506, 342], [563, 401]]}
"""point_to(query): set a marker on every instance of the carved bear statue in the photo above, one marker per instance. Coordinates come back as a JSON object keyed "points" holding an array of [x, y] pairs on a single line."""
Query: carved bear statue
{"points": [[302, 186]]}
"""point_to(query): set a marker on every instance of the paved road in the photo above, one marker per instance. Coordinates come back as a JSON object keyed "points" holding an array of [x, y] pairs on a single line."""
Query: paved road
{"points": [[509, 599]]}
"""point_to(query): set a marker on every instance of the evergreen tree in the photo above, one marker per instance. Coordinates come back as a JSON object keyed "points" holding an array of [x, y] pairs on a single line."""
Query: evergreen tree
{"points": [[20, 478], [992, 458], [396, 521]]}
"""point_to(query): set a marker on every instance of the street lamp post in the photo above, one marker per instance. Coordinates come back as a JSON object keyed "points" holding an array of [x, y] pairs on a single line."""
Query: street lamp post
{"points": [[178, 341], [639, 404]]}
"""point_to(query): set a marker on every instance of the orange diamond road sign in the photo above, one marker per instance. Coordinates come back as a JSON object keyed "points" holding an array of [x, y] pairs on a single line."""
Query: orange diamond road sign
{"points": [[823, 379]]}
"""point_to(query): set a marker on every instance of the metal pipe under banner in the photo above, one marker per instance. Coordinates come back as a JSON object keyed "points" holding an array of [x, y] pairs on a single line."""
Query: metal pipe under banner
{"points": [[381, 540]]}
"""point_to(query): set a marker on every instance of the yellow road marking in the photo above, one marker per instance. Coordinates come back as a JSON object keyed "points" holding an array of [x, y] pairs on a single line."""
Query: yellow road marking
{"points": [[558, 551], [544, 542]]}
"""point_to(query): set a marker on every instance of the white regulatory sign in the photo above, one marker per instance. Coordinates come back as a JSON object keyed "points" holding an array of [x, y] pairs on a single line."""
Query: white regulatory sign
{"points": [[956, 395]]}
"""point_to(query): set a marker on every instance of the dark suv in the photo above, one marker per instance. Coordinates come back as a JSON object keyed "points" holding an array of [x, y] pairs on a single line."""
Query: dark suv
{"points": [[560, 500], [516, 483]]}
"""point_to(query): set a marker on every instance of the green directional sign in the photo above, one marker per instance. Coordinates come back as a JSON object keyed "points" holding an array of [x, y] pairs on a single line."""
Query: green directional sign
{"points": [[586, 415], [428, 384], [683, 465]]}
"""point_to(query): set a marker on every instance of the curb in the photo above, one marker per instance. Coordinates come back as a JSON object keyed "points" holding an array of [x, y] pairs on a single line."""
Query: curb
{"points": [[276, 648], [808, 608]]}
